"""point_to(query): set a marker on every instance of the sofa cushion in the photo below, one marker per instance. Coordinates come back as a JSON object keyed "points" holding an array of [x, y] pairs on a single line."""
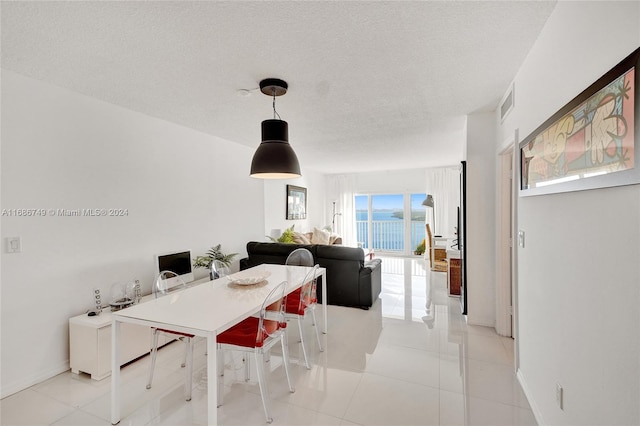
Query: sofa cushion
{"points": [[272, 253], [340, 253]]}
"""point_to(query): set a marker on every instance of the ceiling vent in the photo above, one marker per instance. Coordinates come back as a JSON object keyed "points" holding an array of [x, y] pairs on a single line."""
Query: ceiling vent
{"points": [[506, 105]]}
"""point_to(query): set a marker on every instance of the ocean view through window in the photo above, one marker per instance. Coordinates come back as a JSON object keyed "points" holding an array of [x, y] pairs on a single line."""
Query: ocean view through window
{"points": [[390, 222]]}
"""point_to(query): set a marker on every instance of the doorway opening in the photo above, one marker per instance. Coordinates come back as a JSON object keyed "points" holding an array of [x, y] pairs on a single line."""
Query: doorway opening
{"points": [[504, 290]]}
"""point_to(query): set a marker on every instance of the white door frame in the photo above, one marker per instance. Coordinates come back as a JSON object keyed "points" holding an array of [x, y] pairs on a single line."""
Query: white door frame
{"points": [[505, 250]]}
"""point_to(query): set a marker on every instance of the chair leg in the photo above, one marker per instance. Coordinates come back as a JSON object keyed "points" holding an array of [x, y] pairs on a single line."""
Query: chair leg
{"points": [[154, 353], [189, 370], [264, 389], [313, 315], [246, 359], [304, 349], [285, 360]]}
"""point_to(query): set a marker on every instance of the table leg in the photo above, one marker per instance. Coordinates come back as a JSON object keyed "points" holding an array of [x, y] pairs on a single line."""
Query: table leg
{"points": [[115, 372], [324, 300], [212, 379]]}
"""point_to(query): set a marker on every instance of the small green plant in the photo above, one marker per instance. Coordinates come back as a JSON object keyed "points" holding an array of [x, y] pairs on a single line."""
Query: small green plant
{"points": [[421, 247], [214, 253], [286, 237]]}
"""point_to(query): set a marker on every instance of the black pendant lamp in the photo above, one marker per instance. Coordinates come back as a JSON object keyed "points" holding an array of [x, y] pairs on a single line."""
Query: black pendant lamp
{"points": [[274, 158]]}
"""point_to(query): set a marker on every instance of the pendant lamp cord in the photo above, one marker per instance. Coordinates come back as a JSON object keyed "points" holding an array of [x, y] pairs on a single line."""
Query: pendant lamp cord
{"points": [[275, 113]]}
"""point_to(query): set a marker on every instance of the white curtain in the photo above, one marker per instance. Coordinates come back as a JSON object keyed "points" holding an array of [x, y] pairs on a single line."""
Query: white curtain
{"points": [[340, 189], [443, 184]]}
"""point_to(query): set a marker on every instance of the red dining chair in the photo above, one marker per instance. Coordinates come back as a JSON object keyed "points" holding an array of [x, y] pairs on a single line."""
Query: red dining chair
{"points": [[169, 282], [258, 335], [299, 302]]}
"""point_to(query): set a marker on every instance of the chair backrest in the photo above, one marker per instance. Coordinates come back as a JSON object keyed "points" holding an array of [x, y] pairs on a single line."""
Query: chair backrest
{"points": [[308, 289], [305, 296], [430, 242], [272, 313], [300, 257], [167, 282]]}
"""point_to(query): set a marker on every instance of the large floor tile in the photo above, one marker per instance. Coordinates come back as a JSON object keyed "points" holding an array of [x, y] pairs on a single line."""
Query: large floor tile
{"points": [[384, 401], [484, 380], [415, 366], [80, 418], [410, 334], [75, 390], [32, 409], [463, 410], [322, 389]]}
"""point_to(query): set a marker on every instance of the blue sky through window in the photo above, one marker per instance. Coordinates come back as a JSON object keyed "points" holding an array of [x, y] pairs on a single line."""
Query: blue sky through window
{"points": [[390, 201]]}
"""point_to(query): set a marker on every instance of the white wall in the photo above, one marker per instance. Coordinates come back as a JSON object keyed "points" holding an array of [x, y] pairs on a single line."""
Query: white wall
{"points": [[579, 274], [62, 150], [480, 225], [275, 204], [390, 181]]}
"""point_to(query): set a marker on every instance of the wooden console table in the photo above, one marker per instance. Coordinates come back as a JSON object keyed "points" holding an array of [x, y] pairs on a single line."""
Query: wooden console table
{"points": [[454, 271]]}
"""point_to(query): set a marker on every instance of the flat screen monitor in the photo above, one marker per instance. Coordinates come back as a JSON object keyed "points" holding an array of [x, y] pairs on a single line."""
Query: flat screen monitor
{"points": [[178, 262]]}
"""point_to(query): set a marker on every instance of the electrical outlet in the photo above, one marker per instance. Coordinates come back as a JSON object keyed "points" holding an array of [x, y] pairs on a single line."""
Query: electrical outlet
{"points": [[521, 238], [559, 396]]}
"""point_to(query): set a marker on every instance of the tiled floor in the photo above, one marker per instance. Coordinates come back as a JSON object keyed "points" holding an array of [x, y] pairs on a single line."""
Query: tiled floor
{"points": [[395, 364]]}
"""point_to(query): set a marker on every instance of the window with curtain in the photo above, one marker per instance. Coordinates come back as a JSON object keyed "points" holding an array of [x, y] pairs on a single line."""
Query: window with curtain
{"points": [[444, 185]]}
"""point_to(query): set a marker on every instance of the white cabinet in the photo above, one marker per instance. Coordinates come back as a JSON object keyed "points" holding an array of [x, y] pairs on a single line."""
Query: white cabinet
{"points": [[90, 344], [90, 341]]}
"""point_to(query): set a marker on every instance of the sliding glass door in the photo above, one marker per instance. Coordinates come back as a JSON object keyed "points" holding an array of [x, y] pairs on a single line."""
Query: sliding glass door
{"points": [[392, 223]]}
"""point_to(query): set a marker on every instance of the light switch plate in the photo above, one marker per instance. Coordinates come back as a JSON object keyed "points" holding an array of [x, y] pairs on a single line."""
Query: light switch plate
{"points": [[521, 238], [14, 245]]}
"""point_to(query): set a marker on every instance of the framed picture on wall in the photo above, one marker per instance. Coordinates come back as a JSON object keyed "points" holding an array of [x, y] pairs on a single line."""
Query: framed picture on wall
{"points": [[592, 142], [296, 202]]}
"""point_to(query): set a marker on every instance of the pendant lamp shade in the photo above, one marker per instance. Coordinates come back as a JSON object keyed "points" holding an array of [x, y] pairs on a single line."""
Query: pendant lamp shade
{"points": [[274, 158]]}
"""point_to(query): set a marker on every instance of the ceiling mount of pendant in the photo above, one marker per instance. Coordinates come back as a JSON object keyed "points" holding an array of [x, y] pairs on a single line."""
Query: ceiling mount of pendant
{"points": [[273, 87]]}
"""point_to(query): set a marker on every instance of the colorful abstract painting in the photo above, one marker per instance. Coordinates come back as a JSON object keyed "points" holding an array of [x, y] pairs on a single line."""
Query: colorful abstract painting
{"points": [[597, 137]]}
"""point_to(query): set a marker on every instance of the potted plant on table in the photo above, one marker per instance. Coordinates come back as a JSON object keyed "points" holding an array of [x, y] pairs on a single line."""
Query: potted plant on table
{"points": [[216, 261]]}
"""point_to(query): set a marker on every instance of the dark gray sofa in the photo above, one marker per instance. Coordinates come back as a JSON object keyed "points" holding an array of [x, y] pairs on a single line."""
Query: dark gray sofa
{"points": [[350, 280]]}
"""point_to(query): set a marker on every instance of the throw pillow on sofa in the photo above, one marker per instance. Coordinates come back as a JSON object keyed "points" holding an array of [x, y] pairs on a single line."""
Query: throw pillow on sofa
{"points": [[299, 238], [320, 236]]}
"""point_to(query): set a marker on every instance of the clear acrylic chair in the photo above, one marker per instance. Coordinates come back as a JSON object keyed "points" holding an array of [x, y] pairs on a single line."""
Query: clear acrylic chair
{"points": [[300, 257], [301, 301], [168, 282], [258, 335]]}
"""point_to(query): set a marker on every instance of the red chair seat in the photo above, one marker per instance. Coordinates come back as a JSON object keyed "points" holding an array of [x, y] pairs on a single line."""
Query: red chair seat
{"points": [[293, 302], [247, 334]]}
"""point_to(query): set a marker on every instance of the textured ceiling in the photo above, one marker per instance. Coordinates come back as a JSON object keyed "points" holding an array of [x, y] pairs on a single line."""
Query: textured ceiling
{"points": [[372, 85]]}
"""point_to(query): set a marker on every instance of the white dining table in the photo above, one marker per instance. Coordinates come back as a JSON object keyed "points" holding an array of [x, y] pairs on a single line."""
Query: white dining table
{"points": [[206, 310]]}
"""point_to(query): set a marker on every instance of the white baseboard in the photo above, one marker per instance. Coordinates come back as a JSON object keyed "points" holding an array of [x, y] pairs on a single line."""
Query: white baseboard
{"points": [[483, 322], [34, 379], [532, 403]]}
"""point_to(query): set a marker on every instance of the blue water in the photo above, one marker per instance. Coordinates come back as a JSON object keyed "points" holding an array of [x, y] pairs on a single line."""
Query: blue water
{"points": [[377, 215], [390, 236]]}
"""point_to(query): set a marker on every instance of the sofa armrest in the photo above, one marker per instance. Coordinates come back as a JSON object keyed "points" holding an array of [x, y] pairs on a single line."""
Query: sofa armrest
{"points": [[373, 264], [370, 282], [244, 263]]}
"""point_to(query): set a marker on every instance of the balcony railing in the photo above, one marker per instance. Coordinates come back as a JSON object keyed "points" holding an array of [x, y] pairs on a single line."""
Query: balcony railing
{"points": [[388, 235]]}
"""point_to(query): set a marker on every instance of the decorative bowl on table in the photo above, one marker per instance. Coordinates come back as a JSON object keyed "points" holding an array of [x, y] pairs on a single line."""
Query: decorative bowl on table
{"points": [[248, 277]]}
